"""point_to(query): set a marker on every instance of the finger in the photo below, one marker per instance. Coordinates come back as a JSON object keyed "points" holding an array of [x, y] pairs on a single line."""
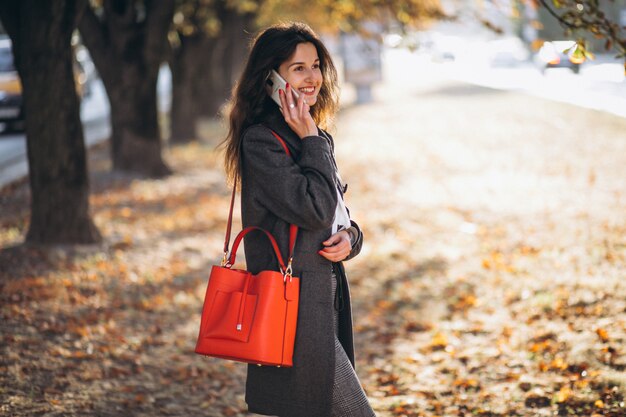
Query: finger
{"points": [[330, 252], [335, 257], [335, 248], [301, 105], [332, 240], [341, 247], [289, 96], [295, 96], [334, 252], [327, 257], [331, 257], [342, 234], [283, 101]]}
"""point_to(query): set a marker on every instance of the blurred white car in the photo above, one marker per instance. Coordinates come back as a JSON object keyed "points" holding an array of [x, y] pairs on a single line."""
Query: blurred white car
{"points": [[11, 111], [559, 54]]}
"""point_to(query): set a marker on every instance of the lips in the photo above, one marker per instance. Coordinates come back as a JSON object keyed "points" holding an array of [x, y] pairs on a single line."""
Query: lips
{"points": [[307, 90]]}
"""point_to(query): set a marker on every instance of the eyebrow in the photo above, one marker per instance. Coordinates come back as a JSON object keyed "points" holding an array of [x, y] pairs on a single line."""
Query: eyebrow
{"points": [[301, 63]]}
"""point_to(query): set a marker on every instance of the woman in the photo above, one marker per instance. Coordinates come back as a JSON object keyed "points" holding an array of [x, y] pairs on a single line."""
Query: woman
{"points": [[301, 188]]}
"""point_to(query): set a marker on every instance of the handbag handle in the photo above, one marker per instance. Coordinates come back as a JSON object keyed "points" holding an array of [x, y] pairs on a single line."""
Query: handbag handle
{"points": [[233, 252], [293, 229]]}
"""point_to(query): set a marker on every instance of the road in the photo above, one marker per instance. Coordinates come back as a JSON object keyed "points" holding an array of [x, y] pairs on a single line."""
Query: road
{"points": [[94, 113], [601, 84]]}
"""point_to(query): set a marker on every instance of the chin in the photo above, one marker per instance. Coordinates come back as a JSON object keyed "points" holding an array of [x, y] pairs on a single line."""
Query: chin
{"points": [[311, 101]]}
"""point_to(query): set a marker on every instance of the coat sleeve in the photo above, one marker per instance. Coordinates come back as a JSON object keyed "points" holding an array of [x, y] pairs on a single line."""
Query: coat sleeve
{"points": [[300, 191], [358, 244]]}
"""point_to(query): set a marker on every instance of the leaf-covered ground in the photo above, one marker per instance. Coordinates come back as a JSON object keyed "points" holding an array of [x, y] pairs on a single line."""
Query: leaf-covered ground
{"points": [[492, 282]]}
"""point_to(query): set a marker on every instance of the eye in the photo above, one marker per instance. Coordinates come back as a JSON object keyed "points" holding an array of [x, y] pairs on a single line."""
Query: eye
{"points": [[316, 66], [299, 68]]}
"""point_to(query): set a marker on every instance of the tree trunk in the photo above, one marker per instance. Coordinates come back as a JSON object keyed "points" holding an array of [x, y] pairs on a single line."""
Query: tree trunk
{"points": [[41, 36], [135, 137], [204, 70], [188, 64], [216, 91], [227, 60], [237, 28], [128, 47]]}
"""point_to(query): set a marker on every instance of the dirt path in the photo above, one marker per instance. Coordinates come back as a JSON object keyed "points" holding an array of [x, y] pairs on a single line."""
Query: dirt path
{"points": [[491, 282]]}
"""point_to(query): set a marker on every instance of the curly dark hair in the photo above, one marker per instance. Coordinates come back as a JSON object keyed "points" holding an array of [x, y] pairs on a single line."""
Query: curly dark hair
{"points": [[250, 100]]}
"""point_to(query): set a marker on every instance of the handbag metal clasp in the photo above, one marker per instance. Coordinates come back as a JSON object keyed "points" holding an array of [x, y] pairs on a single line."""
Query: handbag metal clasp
{"points": [[288, 271]]}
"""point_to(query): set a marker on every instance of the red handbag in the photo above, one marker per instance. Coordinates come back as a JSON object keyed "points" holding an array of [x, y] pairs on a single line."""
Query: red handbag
{"points": [[251, 317]]}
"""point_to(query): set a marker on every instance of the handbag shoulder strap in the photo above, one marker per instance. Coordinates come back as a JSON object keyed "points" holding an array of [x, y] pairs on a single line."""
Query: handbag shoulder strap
{"points": [[293, 229], [282, 142]]}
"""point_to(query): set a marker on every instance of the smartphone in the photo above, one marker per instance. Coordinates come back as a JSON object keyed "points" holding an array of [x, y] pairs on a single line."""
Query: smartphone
{"points": [[274, 83]]}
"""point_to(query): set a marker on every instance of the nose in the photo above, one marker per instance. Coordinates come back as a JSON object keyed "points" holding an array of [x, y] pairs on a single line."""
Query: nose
{"points": [[311, 75]]}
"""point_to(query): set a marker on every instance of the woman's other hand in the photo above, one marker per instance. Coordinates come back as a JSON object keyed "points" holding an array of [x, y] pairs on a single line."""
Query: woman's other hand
{"points": [[337, 248], [297, 114]]}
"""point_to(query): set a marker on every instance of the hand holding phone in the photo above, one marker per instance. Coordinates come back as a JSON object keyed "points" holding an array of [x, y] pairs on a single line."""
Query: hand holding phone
{"points": [[275, 83], [292, 105]]}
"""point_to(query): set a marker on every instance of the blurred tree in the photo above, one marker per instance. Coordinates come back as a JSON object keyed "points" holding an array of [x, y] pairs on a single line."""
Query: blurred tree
{"points": [[209, 41], [580, 17], [128, 42], [331, 16], [41, 34]]}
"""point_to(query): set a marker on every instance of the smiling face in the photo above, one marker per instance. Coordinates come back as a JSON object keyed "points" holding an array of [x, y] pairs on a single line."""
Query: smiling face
{"points": [[302, 71]]}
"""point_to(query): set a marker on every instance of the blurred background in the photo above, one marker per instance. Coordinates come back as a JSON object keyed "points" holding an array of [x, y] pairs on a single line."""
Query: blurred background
{"points": [[483, 142], [202, 46]]}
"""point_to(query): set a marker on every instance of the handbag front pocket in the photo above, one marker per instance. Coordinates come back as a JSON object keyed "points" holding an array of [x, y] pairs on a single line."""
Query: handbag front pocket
{"points": [[228, 321]]}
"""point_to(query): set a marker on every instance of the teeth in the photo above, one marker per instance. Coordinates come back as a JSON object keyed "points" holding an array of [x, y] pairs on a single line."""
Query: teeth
{"points": [[307, 89]]}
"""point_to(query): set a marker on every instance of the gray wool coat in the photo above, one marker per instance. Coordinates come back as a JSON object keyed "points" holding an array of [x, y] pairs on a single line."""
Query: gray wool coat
{"points": [[278, 190]]}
